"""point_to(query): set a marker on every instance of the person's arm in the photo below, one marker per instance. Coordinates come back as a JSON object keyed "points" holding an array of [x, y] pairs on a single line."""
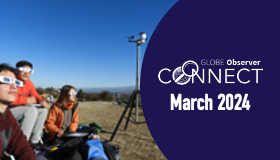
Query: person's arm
{"points": [[18, 144], [39, 99], [75, 121], [50, 122], [34, 92]]}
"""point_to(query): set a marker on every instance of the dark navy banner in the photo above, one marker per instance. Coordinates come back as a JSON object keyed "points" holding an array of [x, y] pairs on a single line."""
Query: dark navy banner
{"points": [[210, 81]]}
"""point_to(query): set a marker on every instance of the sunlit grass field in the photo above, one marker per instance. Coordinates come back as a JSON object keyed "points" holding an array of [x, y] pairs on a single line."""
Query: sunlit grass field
{"points": [[136, 143]]}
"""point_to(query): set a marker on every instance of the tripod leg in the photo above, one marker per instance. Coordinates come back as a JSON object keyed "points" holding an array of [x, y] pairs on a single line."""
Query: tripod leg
{"points": [[118, 125], [128, 118], [131, 100]]}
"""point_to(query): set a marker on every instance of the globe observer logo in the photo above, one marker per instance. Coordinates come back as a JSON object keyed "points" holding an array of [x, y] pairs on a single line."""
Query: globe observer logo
{"points": [[228, 101], [180, 76]]}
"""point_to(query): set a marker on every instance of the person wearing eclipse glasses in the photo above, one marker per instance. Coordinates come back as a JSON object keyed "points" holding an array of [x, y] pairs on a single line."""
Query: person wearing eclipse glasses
{"points": [[29, 108], [63, 115], [12, 139]]}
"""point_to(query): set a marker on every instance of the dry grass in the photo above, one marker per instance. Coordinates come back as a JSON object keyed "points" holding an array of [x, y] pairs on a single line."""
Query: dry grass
{"points": [[136, 143]]}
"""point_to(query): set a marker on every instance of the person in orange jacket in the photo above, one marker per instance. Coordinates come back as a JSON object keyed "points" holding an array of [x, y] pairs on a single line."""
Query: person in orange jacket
{"points": [[63, 115]]}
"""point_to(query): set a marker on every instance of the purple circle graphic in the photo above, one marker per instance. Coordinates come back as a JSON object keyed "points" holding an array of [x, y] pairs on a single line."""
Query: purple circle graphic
{"points": [[230, 109]]}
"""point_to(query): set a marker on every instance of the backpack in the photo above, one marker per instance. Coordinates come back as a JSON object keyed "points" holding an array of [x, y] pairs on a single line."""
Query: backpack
{"points": [[93, 150], [112, 151], [68, 150]]}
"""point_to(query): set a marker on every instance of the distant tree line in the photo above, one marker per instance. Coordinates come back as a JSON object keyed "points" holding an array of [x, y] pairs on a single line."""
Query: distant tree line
{"points": [[103, 96], [49, 90]]}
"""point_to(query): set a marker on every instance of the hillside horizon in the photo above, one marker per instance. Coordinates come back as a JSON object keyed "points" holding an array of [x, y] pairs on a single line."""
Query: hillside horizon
{"points": [[125, 89]]}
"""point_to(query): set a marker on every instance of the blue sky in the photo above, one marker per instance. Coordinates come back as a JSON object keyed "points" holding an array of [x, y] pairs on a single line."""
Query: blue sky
{"points": [[81, 43]]}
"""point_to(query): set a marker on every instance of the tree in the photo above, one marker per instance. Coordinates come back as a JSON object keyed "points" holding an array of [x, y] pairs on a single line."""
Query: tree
{"points": [[105, 96], [49, 89], [95, 97], [88, 97], [40, 90], [80, 94]]}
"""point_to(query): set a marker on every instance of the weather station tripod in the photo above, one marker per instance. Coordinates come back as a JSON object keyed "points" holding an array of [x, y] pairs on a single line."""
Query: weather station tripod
{"points": [[131, 104]]}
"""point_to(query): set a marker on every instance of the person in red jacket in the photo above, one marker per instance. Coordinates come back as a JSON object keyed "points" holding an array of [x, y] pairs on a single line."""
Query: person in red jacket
{"points": [[29, 108], [12, 139]]}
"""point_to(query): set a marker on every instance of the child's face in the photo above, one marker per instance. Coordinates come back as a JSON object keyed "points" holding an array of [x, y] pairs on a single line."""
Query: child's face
{"points": [[71, 97], [8, 92], [24, 75]]}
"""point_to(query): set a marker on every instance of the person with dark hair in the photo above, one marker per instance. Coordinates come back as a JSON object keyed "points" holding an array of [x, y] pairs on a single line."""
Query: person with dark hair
{"points": [[63, 115], [12, 139], [24, 63], [29, 108]]}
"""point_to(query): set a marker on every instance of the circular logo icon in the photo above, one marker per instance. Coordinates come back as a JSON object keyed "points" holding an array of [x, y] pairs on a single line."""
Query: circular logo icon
{"points": [[179, 77]]}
